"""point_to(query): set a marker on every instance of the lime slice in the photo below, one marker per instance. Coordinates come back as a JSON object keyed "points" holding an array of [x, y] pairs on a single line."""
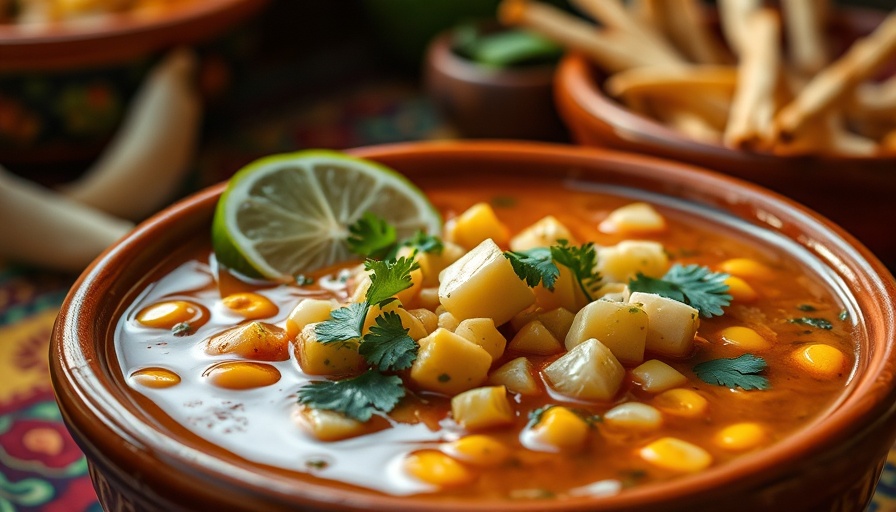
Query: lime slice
{"points": [[289, 214]]}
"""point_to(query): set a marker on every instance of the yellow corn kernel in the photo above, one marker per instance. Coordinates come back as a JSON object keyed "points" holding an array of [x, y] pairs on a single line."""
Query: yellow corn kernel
{"points": [[428, 319], [634, 416], [676, 455], [329, 425], [478, 450], [535, 338], [634, 218], [681, 402], [747, 268], [241, 375], [740, 290], [558, 430], [307, 311], [820, 360], [655, 376], [165, 315], [741, 437], [482, 331], [253, 340], [449, 364], [744, 338], [155, 377], [482, 408], [476, 224], [250, 305], [437, 468], [518, 376]]}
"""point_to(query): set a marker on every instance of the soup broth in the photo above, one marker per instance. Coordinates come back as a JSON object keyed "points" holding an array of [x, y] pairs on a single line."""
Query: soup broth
{"points": [[783, 311]]}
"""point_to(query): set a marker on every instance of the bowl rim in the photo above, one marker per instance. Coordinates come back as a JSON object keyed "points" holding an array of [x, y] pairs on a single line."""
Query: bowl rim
{"points": [[88, 401], [115, 37], [579, 79]]}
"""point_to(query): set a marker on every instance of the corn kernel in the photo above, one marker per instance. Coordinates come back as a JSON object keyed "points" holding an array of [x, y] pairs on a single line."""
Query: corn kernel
{"points": [[741, 437], [478, 450], [820, 360], [676, 455], [634, 416], [747, 268], [165, 315], [428, 298], [482, 408], [744, 338], [558, 430], [250, 305], [241, 375], [437, 468], [156, 377], [428, 319], [681, 402], [740, 290]]}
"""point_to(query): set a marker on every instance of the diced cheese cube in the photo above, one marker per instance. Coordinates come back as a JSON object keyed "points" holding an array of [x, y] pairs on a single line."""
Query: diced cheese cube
{"points": [[566, 292], [546, 232], [253, 340], [308, 311], [482, 283], [589, 371], [558, 321], [535, 338], [449, 364], [655, 376], [672, 324], [476, 224], [431, 263], [482, 408], [336, 358], [619, 326], [329, 425], [623, 261], [634, 218]]}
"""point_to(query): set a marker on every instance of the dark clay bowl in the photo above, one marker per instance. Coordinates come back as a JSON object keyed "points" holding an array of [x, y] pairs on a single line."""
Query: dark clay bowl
{"points": [[855, 192], [65, 86], [141, 460]]}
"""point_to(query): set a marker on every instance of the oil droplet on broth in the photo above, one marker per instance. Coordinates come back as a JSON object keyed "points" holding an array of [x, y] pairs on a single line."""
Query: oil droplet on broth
{"points": [[155, 378], [241, 375]]}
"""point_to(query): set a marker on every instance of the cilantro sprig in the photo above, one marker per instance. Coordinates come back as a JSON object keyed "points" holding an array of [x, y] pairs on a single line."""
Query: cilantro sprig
{"points": [[373, 237], [539, 265], [740, 372], [387, 347], [697, 286]]}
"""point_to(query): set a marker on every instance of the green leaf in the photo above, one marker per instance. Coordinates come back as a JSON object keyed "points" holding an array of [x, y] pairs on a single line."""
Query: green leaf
{"points": [[388, 346], [580, 260], [740, 372], [425, 243], [534, 266], [819, 323], [358, 397], [504, 48], [697, 286], [388, 278], [371, 236], [345, 324]]}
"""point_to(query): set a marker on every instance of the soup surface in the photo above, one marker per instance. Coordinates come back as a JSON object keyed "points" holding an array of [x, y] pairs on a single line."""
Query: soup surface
{"points": [[523, 427]]}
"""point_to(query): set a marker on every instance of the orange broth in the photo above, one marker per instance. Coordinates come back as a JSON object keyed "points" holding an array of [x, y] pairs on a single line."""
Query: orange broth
{"points": [[259, 425]]}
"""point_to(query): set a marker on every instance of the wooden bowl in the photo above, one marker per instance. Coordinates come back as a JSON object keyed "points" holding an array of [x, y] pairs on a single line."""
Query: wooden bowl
{"points": [[855, 192], [142, 460]]}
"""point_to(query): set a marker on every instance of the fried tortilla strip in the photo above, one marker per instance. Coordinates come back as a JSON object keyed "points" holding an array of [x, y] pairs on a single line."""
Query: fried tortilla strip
{"points": [[804, 21], [733, 15]]}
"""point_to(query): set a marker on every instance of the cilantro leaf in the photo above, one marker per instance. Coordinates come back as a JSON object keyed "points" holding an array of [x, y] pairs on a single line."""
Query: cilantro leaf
{"points": [[388, 278], [425, 243], [697, 286], [357, 397], [581, 261], [371, 236], [388, 346], [344, 324], [740, 372], [819, 323], [534, 265]]}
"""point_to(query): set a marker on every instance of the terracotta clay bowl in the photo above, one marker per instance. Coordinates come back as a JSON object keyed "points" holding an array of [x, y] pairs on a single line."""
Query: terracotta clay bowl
{"points": [[141, 460], [855, 192]]}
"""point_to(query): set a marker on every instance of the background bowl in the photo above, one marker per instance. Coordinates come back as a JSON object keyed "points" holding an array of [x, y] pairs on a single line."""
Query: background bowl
{"points": [[140, 461], [855, 192], [64, 86]]}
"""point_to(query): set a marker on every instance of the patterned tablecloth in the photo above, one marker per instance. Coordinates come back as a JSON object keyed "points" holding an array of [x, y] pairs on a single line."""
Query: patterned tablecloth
{"points": [[290, 103]]}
